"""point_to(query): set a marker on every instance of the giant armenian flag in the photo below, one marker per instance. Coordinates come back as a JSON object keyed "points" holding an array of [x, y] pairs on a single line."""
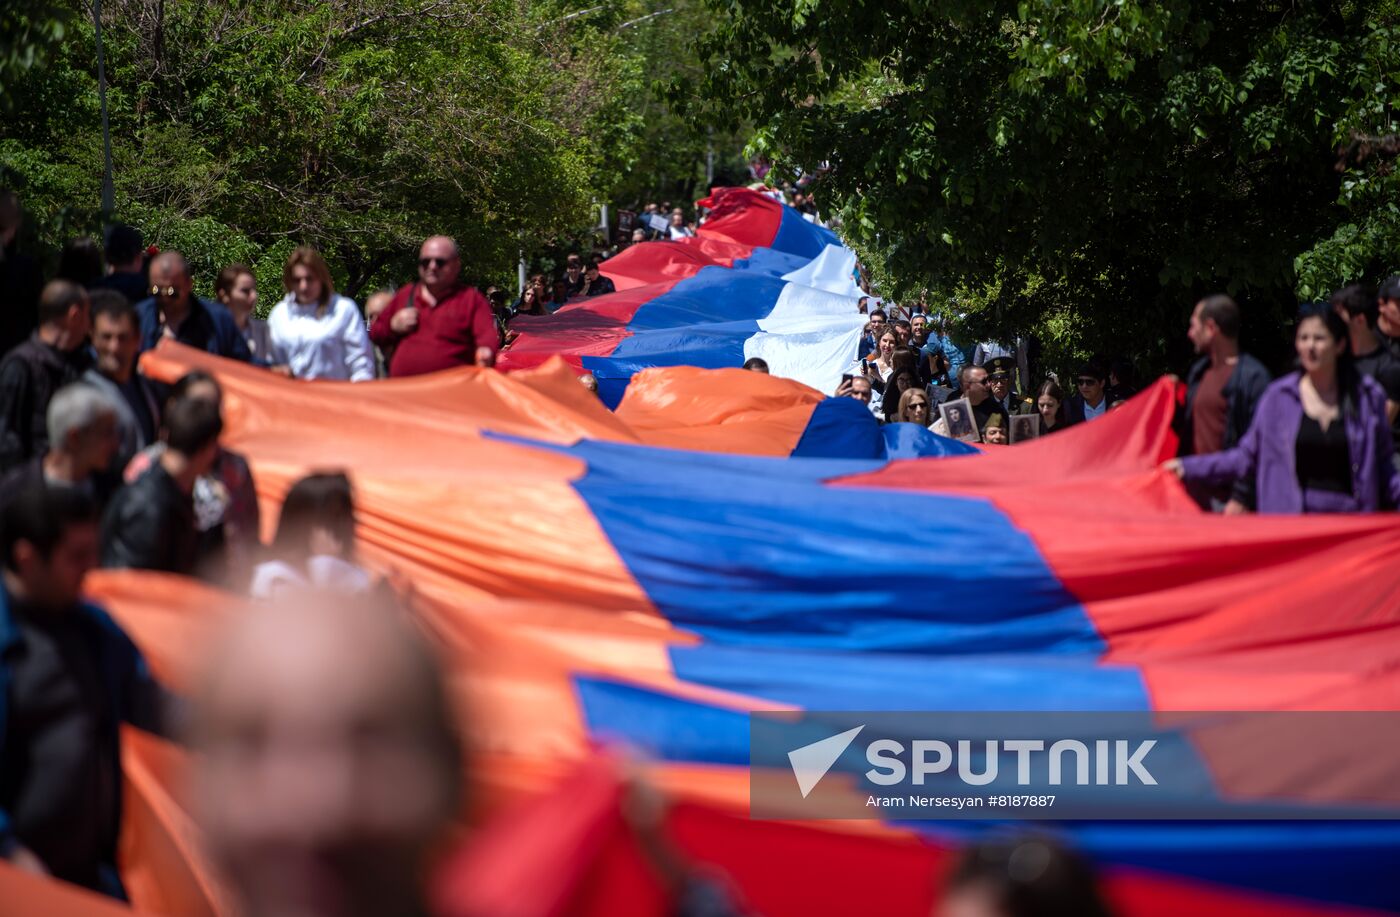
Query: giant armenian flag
{"points": [[649, 575]]}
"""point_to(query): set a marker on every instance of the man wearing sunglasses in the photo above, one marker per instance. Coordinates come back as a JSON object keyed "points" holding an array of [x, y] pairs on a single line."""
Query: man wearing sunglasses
{"points": [[173, 312], [1090, 401], [437, 322]]}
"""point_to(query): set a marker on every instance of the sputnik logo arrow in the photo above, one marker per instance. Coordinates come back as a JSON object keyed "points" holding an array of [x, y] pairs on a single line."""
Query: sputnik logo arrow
{"points": [[811, 762]]}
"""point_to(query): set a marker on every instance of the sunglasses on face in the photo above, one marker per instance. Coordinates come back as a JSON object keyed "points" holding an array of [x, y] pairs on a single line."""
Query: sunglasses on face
{"points": [[1088, 381], [433, 262], [167, 292]]}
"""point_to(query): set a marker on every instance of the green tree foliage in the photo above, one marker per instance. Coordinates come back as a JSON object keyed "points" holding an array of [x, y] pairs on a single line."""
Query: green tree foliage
{"points": [[1365, 243], [28, 31], [360, 126], [672, 150], [1081, 168]]}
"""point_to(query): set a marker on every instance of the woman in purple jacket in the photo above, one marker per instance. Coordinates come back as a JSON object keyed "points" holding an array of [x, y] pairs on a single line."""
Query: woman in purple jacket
{"points": [[1319, 442]]}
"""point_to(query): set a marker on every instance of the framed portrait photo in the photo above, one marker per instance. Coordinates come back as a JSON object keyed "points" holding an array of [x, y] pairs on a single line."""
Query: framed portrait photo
{"points": [[1024, 427], [958, 417]]}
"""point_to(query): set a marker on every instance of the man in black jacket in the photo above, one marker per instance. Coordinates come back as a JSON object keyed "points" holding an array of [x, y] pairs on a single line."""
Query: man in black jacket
{"points": [[1091, 399], [30, 374], [173, 311], [69, 677], [1222, 390], [116, 338], [82, 423], [594, 283], [150, 524]]}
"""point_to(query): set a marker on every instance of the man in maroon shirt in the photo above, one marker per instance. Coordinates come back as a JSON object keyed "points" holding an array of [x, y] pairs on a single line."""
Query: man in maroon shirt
{"points": [[437, 322], [1222, 389]]}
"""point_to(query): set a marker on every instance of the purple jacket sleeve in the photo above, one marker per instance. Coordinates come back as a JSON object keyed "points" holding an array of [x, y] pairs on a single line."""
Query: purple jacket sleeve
{"points": [[1219, 468]]}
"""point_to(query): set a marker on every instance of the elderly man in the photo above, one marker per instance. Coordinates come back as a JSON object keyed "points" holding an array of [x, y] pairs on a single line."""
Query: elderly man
{"points": [[30, 374], [330, 767], [174, 312], [999, 374], [438, 322], [82, 422]]}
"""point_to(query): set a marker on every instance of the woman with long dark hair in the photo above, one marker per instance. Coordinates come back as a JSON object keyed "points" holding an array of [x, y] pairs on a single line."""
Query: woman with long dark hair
{"points": [[901, 381], [1050, 405], [315, 541], [1320, 439], [531, 302]]}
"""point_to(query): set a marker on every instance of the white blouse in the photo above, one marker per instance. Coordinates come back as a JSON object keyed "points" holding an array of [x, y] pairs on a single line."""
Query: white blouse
{"points": [[274, 578], [332, 346]]}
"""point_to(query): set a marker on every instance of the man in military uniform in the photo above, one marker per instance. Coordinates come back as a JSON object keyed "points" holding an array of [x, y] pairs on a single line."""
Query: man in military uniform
{"points": [[999, 372]]}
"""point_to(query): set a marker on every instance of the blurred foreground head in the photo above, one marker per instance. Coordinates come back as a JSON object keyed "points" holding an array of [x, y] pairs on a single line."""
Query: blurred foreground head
{"points": [[329, 766], [1022, 876]]}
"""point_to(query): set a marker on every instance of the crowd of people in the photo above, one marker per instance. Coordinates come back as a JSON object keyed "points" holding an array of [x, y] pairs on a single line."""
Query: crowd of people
{"points": [[909, 369], [1322, 438], [100, 465]]}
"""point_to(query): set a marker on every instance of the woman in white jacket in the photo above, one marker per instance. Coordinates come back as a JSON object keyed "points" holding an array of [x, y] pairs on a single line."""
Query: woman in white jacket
{"points": [[314, 332]]}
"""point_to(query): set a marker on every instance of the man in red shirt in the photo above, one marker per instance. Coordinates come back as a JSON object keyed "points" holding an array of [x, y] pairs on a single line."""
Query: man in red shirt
{"points": [[1222, 389], [437, 322]]}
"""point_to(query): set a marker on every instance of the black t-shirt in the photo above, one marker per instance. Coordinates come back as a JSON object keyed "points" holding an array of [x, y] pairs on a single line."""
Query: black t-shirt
{"points": [[1322, 459], [57, 779], [1382, 365]]}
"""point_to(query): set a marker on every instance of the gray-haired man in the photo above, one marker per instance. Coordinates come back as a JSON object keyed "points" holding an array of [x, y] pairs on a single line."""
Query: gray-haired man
{"points": [[82, 424]]}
